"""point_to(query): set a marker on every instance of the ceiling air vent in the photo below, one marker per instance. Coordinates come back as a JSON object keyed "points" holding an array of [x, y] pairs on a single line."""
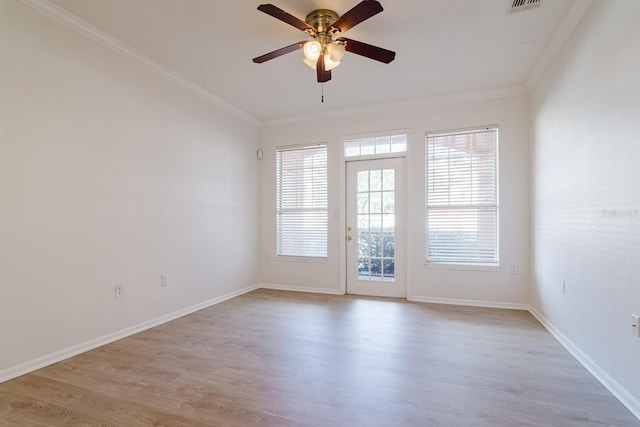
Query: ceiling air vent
{"points": [[518, 5]]}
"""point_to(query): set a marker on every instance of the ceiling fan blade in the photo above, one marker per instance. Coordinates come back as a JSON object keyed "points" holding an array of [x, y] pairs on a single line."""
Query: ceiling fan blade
{"points": [[280, 14], [324, 75], [370, 51], [361, 12], [276, 53]]}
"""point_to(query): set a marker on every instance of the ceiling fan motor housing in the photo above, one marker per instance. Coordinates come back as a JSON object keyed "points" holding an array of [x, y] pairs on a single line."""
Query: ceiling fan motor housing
{"points": [[321, 19]]}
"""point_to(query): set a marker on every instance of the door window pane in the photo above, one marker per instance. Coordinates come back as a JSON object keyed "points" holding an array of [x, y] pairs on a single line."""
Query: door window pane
{"points": [[376, 225], [363, 202], [375, 182], [388, 180], [363, 181], [376, 202], [388, 201]]}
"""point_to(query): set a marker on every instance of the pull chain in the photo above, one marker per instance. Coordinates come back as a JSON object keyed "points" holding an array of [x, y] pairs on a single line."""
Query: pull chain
{"points": [[322, 98]]}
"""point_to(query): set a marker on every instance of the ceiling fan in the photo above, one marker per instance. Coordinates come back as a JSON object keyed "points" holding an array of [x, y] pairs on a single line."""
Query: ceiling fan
{"points": [[326, 47]]}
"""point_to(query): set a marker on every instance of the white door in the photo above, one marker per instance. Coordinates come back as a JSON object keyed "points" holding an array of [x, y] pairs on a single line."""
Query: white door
{"points": [[376, 227]]}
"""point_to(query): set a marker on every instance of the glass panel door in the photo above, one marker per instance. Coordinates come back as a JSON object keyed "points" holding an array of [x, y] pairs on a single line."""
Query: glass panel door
{"points": [[375, 227]]}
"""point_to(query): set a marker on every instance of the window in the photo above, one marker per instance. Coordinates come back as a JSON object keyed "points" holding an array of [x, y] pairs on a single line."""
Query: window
{"points": [[462, 197], [370, 146], [302, 201]]}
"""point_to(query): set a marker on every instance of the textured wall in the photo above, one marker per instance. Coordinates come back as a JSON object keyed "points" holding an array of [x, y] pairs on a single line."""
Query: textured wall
{"points": [[586, 189], [109, 175]]}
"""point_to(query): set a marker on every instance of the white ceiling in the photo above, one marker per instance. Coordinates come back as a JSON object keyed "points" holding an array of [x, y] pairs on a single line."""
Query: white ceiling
{"points": [[444, 47]]}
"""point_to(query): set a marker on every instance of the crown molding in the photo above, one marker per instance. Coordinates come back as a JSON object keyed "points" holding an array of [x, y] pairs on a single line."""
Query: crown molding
{"points": [[559, 39], [61, 15], [570, 22], [432, 101], [64, 17]]}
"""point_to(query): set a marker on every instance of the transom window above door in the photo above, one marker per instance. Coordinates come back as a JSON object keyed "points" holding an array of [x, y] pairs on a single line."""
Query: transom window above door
{"points": [[379, 145]]}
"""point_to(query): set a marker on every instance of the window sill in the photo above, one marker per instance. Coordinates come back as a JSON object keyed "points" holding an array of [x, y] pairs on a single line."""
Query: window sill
{"points": [[461, 267]]}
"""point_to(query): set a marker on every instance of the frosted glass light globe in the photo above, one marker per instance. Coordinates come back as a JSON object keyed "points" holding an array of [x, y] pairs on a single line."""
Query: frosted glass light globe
{"points": [[312, 50]]}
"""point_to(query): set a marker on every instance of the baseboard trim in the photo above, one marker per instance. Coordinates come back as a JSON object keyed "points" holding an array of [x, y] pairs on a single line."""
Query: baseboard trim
{"points": [[470, 303], [277, 287], [58, 356], [631, 403]]}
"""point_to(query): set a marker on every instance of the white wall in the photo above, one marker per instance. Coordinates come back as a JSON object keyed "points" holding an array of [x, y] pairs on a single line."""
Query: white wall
{"points": [[501, 287], [586, 191], [109, 175]]}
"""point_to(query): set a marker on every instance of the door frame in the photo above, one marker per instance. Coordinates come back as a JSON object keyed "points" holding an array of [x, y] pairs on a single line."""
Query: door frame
{"points": [[409, 230]]}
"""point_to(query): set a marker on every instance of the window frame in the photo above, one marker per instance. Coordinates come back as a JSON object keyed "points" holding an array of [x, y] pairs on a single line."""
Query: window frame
{"points": [[464, 263], [281, 253], [375, 136]]}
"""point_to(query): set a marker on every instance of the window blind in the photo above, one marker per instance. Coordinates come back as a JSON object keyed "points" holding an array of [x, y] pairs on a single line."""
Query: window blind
{"points": [[462, 197], [302, 201]]}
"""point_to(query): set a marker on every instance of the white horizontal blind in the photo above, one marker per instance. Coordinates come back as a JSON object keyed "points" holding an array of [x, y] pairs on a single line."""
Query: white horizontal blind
{"points": [[302, 201], [462, 197]]}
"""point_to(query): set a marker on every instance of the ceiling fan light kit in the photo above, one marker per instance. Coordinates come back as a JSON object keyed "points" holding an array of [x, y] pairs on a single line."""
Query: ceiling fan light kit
{"points": [[312, 50], [327, 48]]}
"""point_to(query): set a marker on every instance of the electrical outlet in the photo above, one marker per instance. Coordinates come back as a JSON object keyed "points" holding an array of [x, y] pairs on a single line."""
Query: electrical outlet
{"points": [[514, 269], [119, 289], [635, 323], [164, 282]]}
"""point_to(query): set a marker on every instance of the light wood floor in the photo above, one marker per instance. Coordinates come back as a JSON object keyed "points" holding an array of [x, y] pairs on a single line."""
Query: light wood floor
{"points": [[271, 358]]}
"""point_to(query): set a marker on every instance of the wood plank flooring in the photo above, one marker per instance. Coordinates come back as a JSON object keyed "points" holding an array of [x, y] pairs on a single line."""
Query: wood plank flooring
{"points": [[271, 358]]}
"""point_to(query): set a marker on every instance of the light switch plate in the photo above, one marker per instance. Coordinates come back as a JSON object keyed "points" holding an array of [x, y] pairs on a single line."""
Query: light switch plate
{"points": [[636, 324]]}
